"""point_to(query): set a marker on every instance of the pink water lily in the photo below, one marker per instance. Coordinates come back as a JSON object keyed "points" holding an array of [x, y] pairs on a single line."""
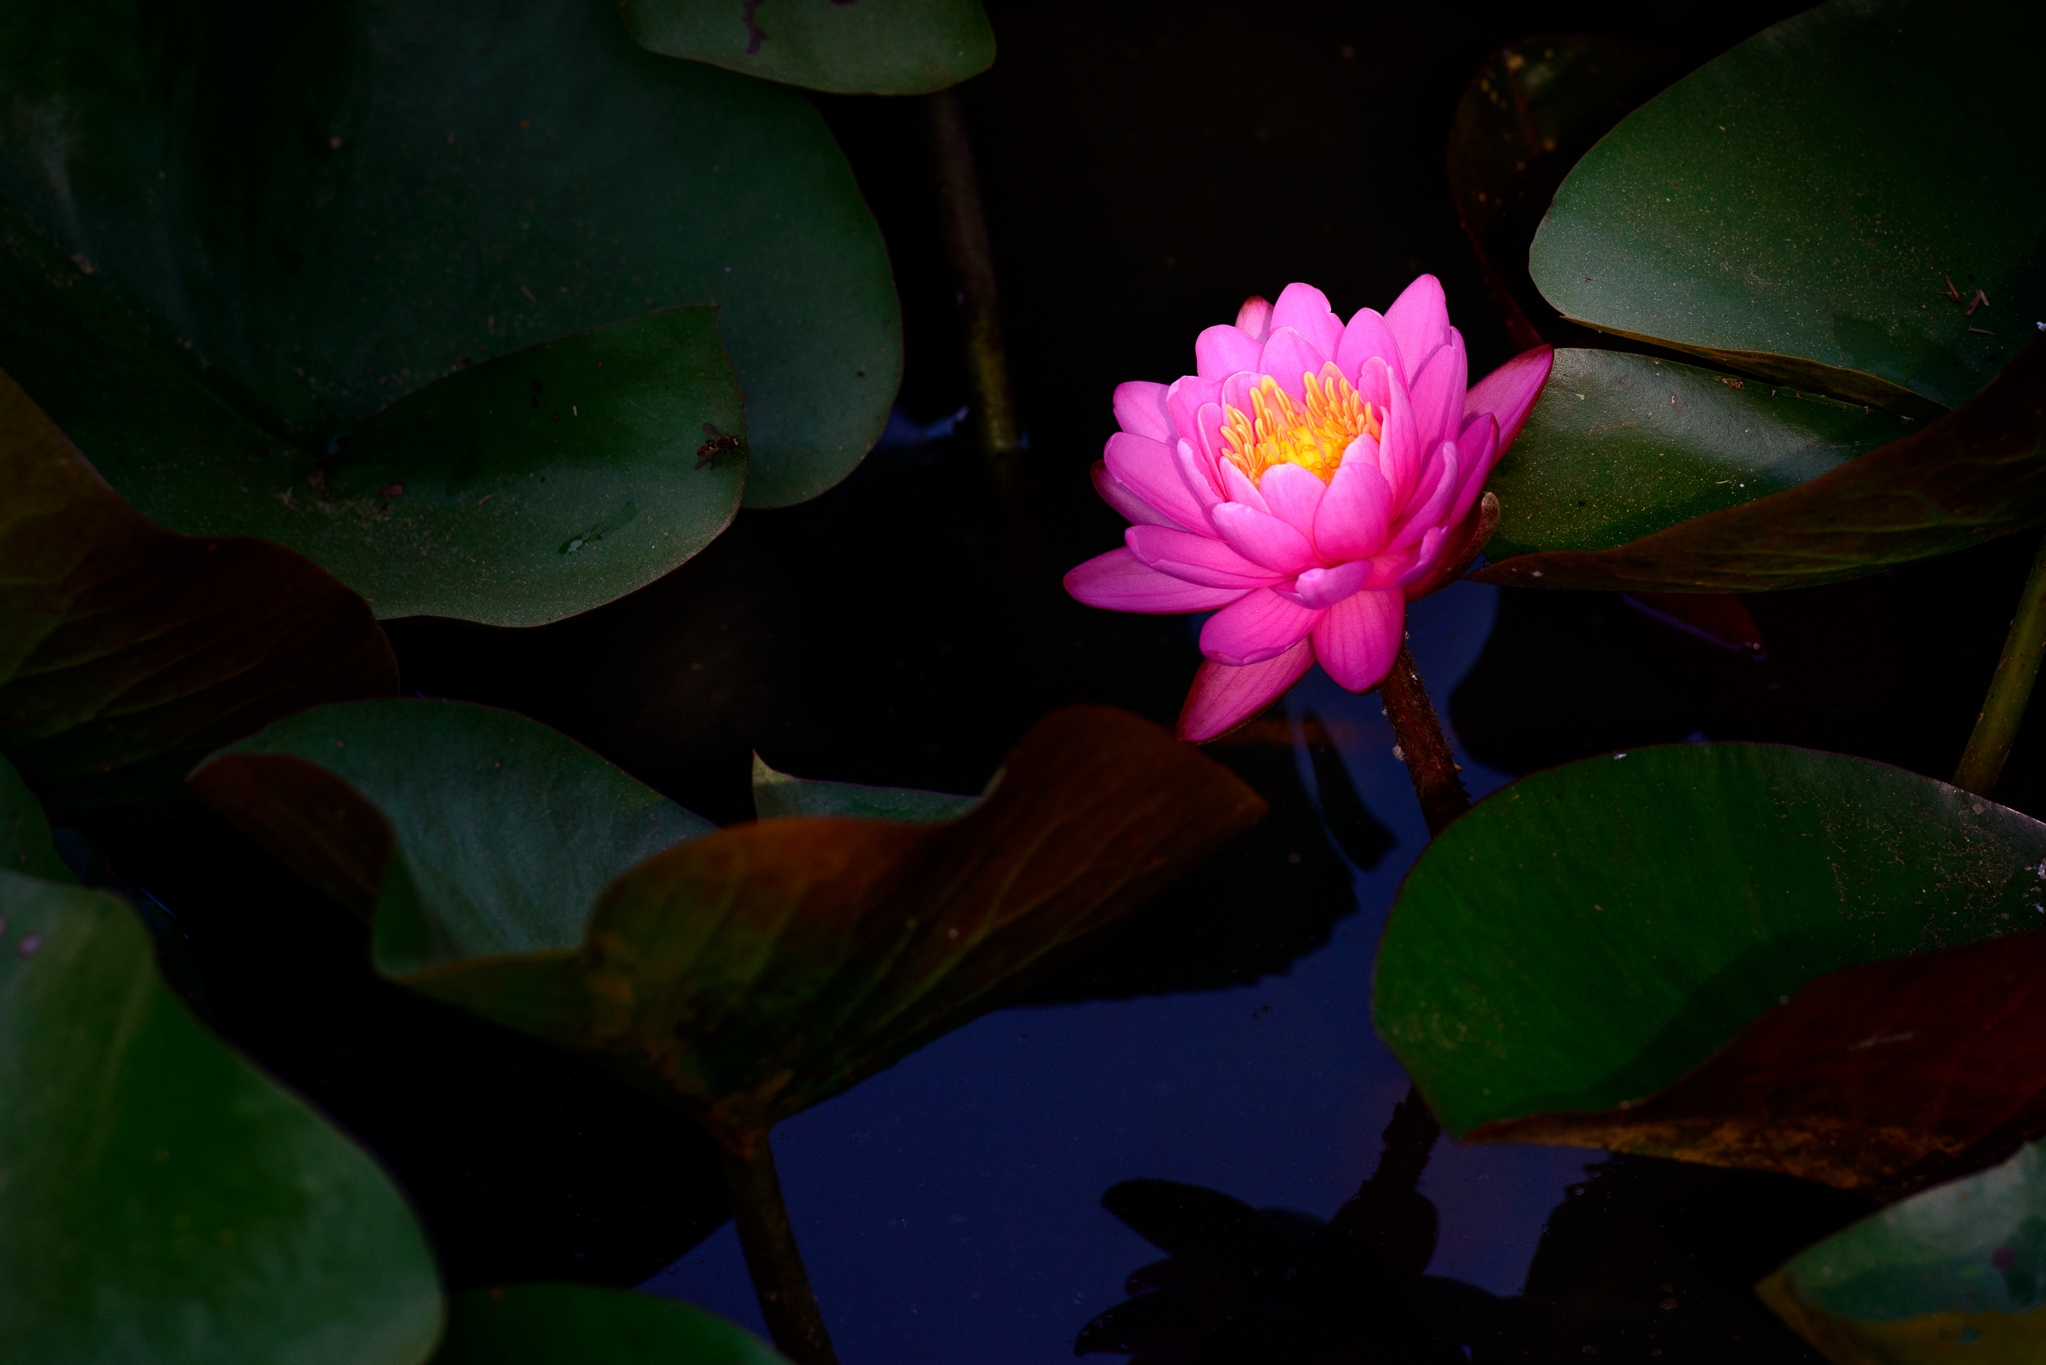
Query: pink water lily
{"points": [[1306, 483]]}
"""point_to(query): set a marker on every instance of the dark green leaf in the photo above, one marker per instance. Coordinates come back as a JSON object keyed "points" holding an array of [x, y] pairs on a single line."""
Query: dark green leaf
{"points": [[359, 201], [1588, 935], [164, 1201], [1957, 1273], [482, 832], [1798, 206], [777, 794], [25, 842], [875, 47], [127, 652], [568, 1324], [1972, 475], [1620, 446]]}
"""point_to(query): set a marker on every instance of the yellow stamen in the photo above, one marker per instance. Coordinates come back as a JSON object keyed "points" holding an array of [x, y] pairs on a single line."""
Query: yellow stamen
{"points": [[1282, 430]]}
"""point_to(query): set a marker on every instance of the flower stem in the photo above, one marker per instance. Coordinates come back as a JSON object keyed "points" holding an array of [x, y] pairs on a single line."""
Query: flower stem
{"points": [[1996, 728], [1422, 746], [1409, 1141], [973, 271], [786, 1301]]}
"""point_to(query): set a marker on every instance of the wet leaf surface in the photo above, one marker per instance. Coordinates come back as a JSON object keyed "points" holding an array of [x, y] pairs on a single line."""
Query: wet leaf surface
{"points": [[1955, 1273], [1799, 206], [777, 795], [25, 842], [1972, 475], [1638, 912], [164, 1199], [128, 651], [555, 1324], [472, 182], [878, 47]]}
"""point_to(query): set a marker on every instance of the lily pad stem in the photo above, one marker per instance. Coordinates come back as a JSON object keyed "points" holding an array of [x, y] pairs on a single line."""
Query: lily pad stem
{"points": [[964, 227], [1422, 746], [783, 1286], [1996, 728]]}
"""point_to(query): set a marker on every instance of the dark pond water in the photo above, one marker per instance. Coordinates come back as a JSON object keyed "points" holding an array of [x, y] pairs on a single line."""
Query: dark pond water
{"points": [[1145, 165]]}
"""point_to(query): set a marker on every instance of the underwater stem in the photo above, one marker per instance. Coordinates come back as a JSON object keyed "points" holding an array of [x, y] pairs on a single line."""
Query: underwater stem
{"points": [[1422, 746], [786, 1301], [973, 271], [1996, 728]]}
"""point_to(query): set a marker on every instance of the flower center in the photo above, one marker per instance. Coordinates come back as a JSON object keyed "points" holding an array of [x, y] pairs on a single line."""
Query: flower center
{"points": [[1282, 430]]}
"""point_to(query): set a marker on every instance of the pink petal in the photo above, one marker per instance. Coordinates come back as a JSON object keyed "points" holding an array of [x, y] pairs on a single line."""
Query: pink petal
{"points": [[1365, 337], [1400, 451], [1321, 588], [1197, 559], [1288, 357], [1510, 391], [1305, 309], [1118, 495], [1140, 410], [1375, 380], [1357, 639], [1237, 487], [1183, 400], [1419, 322], [1198, 475], [1208, 427], [1119, 581], [1221, 351], [1425, 562], [1223, 697], [1293, 494], [1262, 538], [1477, 450], [1438, 392], [1255, 317], [1357, 509], [1255, 627], [1432, 511], [1150, 469]]}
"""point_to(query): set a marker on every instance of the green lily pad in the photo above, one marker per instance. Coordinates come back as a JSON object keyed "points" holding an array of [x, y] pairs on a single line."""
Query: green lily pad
{"points": [[164, 1200], [1972, 475], [777, 795], [572, 1324], [1586, 936], [875, 47], [458, 184], [1955, 1274], [1799, 207], [25, 843], [1620, 446], [127, 652]]}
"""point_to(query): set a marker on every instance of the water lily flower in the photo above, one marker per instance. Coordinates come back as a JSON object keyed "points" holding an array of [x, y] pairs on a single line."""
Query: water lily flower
{"points": [[1309, 480]]}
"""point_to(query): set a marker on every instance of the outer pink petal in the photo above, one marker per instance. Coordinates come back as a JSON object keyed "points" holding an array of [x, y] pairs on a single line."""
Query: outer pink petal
{"points": [[1357, 639], [1150, 469], [1255, 317], [1221, 351], [1119, 581], [1118, 495], [1430, 512], [1510, 391], [1419, 322], [1263, 539], [1356, 511], [1140, 410], [1183, 401], [1287, 357], [1305, 309], [1477, 450], [1321, 588], [1294, 495], [1197, 559], [1426, 560], [1438, 392], [1256, 627], [1365, 337], [1198, 475], [1223, 696]]}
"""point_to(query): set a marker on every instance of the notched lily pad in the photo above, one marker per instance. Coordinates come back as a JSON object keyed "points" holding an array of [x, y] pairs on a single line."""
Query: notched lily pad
{"points": [[1636, 912], [572, 1324], [128, 651], [875, 47]]}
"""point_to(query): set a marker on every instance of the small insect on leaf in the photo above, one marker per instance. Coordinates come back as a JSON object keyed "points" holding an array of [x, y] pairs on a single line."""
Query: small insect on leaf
{"points": [[715, 443]]}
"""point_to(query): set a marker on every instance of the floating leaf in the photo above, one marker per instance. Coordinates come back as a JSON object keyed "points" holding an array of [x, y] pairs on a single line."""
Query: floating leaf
{"points": [[1636, 911], [25, 842], [776, 795], [459, 184], [1822, 204], [1974, 474], [127, 651], [164, 1201], [1957, 1273], [876, 47], [569, 1324]]}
